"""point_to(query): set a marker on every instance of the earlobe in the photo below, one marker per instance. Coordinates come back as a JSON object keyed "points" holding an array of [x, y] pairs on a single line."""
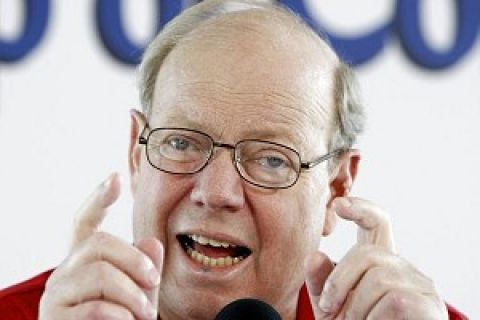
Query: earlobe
{"points": [[341, 182], [343, 176], [137, 122]]}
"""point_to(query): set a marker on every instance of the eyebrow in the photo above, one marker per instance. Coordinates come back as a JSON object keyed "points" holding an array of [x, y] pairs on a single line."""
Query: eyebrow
{"points": [[176, 121], [278, 135]]}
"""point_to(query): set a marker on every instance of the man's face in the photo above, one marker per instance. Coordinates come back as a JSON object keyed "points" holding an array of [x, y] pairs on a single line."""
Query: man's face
{"points": [[232, 92]]}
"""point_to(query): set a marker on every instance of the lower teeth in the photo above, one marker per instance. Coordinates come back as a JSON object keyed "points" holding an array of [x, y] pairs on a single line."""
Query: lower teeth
{"points": [[213, 262]]}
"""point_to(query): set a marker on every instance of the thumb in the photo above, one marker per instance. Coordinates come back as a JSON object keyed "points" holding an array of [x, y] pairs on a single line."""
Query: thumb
{"points": [[318, 267], [93, 211], [153, 248]]}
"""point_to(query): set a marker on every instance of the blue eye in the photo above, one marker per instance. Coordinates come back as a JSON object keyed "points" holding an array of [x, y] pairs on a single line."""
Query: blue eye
{"points": [[179, 143], [273, 162]]}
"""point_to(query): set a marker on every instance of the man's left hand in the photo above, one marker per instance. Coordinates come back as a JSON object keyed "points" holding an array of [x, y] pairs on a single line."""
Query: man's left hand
{"points": [[371, 281]]}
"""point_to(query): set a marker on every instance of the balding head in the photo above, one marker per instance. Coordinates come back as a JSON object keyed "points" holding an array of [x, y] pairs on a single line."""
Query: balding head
{"points": [[266, 25]]}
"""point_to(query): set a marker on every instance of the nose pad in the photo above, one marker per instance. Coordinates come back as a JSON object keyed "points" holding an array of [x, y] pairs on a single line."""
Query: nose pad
{"points": [[219, 185], [221, 148]]}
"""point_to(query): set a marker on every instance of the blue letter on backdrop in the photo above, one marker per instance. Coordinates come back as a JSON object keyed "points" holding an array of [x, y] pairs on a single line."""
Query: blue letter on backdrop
{"points": [[36, 18], [356, 50], [467, 25], [112, 31]]}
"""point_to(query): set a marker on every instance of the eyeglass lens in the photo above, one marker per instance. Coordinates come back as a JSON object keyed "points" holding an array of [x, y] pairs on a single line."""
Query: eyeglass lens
{"points": [[187, 151]]}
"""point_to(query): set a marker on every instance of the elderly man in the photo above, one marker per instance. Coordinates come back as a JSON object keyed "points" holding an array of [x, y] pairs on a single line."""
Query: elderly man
{"points": [[240, 162]]}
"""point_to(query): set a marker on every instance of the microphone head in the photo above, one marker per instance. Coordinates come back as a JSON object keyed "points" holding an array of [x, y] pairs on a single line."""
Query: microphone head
{"points": [[251, 309]]}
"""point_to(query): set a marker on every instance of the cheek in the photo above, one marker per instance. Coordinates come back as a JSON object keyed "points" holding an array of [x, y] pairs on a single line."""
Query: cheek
{"points": [[307, 214], [289, 226], [156, 196]]}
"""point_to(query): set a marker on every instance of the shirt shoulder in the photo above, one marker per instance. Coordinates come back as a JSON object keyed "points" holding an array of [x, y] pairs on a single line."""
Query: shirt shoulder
{"points": [[20, 301], [454, 314]]}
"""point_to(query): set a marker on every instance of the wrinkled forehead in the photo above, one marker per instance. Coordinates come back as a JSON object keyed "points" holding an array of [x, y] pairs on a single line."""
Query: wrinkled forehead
{"points": [[263, 66]]}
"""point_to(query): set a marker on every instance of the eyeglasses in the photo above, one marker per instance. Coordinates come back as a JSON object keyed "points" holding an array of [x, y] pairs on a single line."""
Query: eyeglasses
{"points": [[262, 163]]}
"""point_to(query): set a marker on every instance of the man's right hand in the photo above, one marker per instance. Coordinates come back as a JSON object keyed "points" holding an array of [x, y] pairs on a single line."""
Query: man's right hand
{"points": [[104, 277]]}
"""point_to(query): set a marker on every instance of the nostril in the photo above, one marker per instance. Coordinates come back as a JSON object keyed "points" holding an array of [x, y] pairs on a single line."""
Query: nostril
{"points": [[218, 186], [197, 197], [217, 200]]}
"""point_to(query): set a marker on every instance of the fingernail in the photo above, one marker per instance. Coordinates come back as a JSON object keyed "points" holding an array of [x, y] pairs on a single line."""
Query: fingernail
{"points": [[107, 183], [106, 191], [152, 273], [148, 309], [154, 277], [151, 313]]}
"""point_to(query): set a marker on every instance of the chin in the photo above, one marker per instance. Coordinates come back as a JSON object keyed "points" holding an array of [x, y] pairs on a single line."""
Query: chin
{"points": [[200, 304]]}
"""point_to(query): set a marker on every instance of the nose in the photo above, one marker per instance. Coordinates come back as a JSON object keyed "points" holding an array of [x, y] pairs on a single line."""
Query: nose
{"points": [[218, 186]]}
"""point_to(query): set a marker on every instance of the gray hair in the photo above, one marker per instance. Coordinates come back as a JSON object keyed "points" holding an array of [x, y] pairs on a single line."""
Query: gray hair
{"points": [[349, 117]]}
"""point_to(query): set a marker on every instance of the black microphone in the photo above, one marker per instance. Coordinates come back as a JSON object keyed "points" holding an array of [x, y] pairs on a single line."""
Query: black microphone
{"points": [[248, 309]]}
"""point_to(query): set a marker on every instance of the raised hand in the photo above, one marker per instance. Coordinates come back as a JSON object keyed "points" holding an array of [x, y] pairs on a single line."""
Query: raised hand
{"points": [[104, 277], [370, 281]]}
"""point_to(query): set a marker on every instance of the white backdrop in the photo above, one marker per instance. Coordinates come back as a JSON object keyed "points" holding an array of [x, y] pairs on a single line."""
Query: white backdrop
{"points": [[64, 127]]}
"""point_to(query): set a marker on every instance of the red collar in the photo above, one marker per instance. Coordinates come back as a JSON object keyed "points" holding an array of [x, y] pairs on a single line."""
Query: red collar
{"points": [[304, 307]]}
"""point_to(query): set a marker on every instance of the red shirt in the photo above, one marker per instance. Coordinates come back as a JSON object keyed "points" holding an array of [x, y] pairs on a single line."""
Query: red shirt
{"points": [[20, 302]]}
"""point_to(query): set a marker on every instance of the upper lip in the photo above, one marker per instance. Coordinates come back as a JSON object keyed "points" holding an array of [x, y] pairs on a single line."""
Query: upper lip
{"points": [[222, 237]]}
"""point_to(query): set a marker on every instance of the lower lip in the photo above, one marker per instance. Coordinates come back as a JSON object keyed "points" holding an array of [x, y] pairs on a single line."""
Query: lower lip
{"points": [[214, 273]]}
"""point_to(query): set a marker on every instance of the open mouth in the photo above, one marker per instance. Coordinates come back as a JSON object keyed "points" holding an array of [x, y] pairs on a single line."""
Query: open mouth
{"points": [[211, 252]]}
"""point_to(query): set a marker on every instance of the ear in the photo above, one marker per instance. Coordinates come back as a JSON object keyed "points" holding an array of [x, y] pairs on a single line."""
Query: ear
{"points": [[137, 124], [341, 182]]}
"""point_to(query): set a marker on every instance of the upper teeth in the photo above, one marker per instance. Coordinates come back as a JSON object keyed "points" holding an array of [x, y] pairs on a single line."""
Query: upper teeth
{"points": [[214, 243]]}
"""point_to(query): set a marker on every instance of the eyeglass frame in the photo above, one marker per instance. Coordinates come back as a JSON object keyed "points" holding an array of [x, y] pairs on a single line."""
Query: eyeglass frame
{"points": [[217, 144]]}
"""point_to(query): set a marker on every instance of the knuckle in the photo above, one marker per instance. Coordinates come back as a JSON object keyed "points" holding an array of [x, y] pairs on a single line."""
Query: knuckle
{"points": [[381, 277], [328, 302], [100, 239], [377, 281], [371, 221], [96, 311], [331, 289], [103, 271], [98, 243], [397, 303]]}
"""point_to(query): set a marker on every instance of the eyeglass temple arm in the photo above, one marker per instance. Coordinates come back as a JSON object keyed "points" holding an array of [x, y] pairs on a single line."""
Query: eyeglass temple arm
{"points": [[311, 164], [141, 138]]}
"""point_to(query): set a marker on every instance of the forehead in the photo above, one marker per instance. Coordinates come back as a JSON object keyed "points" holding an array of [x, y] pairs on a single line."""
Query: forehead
{"points": [[247, 74]]}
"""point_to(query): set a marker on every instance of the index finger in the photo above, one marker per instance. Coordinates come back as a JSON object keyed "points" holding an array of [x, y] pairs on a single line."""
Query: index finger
{"points": [[94, 210], [374, 226]]}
